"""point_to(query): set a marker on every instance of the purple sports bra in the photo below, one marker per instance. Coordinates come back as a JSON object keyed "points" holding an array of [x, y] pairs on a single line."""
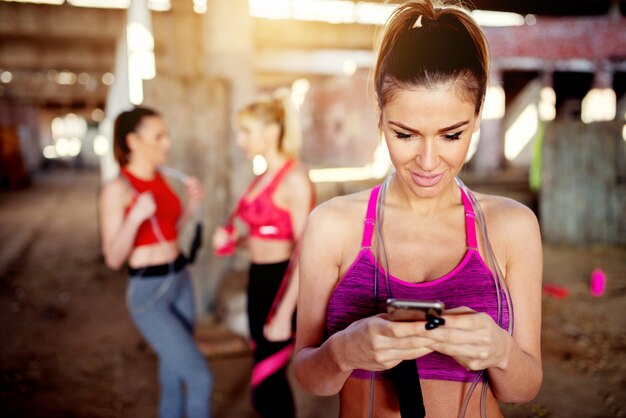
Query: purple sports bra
{"points": [[470, 284]]}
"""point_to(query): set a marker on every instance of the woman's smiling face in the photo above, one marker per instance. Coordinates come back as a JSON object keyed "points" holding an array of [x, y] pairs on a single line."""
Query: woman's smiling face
{"points": [[428, 133]]}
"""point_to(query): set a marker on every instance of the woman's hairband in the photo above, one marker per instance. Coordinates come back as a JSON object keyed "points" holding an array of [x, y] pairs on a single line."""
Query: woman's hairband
{"points": [[418, 23], [423, 21]]}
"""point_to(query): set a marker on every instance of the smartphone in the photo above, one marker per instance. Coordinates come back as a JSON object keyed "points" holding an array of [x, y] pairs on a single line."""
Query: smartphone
{"points": [[413, 310]]}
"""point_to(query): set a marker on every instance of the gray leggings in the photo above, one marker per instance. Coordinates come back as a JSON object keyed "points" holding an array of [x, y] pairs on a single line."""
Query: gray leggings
{"points": [[163, 310]]}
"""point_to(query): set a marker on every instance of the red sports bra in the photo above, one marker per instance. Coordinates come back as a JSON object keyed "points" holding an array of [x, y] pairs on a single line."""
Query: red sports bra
{"points": [[263, 217], [168, 209]]}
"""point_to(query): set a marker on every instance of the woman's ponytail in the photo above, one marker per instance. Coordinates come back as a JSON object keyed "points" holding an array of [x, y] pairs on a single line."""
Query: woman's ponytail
{"points": [[279, 109], [290, 142]]}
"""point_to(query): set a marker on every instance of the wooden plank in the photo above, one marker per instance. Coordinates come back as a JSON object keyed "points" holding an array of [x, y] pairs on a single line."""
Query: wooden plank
{"points": [[583, 195]]}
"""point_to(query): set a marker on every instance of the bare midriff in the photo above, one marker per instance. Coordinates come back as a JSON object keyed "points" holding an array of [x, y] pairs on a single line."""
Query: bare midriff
{"points": [[265, 251], [443, 399], [153, 254]]}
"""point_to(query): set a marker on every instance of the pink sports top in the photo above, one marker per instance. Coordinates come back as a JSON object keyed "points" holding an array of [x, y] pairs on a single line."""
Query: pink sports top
{"points": [[263, 217], [168, 208], [470, 284]]}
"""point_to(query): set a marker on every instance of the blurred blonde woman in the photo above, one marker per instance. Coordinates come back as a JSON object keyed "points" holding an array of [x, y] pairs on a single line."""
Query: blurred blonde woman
{"points": [[274, 208]]}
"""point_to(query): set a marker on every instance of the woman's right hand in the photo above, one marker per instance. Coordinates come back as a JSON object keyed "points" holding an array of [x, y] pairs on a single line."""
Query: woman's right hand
{"points": [[144, 207], [376, 343], [223, 236]]}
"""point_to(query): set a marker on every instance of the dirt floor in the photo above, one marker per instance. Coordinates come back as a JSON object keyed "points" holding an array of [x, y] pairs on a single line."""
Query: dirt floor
{"points": [[69, 349]]}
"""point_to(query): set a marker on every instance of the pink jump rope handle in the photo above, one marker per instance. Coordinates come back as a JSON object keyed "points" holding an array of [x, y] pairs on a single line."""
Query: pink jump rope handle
{"points": [[598, 283], [229, 247]]}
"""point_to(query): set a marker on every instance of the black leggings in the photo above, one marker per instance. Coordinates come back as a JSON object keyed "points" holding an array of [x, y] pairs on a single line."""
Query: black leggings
{"points": [[271, 394]]}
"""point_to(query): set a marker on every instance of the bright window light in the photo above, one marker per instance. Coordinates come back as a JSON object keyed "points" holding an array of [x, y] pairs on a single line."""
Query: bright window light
{"points": [[73, 147], [490, 18], [159, 5], [376, 170], [340, 174], [97, 115], [200, 6], [382, 161], [49, 152], [299, 90], [100, 145], [143, 64], [336, 11], [83, 78], [373, 13], [55, 2], [58, 128], [624, 133], [140, 43], [493, 108], [74, 126], [62, 147], [70, 125], [368, 13], [530, 20], [349, 67], [270, 9], [6, 76], [66, 78], [473, 146], [101, 4], [135, 83], [547, 104], [521, 132], [599, 105], [108, 79], [259, 165], [139, 37]]}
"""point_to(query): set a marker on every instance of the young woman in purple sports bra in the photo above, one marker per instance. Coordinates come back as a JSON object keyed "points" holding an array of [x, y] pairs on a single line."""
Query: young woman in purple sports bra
{"points": [[430, 80], [274, 208]]}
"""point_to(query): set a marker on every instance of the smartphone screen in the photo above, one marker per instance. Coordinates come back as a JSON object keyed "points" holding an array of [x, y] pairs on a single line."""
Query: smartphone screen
{"points": [[413, 310]]}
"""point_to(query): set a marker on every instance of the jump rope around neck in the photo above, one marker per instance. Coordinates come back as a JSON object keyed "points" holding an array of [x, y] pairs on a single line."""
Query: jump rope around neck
{"points": [[196, 242], [406, 374]]}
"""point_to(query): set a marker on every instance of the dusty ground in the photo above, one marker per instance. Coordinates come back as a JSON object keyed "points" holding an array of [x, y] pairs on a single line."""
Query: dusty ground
{"points": [[69, 349]]}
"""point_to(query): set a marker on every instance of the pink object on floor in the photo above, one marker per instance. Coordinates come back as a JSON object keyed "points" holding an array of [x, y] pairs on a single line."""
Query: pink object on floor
{"points": [[557, 292], [598, 283]]}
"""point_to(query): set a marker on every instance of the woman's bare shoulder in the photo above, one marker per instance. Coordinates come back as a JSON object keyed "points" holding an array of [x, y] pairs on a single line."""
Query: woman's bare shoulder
{"points": [[115, 189], [508, 218], [340, 217], [343, 207], [504, 207], [297, 177]]}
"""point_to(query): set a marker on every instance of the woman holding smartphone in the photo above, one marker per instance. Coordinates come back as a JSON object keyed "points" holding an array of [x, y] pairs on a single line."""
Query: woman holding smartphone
{"points": [[430, 81], [274, 208]]}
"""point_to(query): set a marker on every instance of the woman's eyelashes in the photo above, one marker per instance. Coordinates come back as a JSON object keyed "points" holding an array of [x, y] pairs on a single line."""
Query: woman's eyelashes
{"points": [[449, 137], [401, 135], [454, 136]]}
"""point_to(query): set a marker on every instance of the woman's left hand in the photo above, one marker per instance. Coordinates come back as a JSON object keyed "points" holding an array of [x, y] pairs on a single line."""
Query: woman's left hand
{"points": [[473, 339], [194, 191], [278, 329]]}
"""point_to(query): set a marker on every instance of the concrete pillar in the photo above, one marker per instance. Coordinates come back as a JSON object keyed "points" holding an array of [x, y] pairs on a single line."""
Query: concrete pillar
{"points": [[489, 156], [195, 106], [117, 102], [229, 54]]}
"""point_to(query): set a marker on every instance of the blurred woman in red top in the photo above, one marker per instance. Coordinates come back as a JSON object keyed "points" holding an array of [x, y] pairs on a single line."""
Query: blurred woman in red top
{"points": [[139, 220]]}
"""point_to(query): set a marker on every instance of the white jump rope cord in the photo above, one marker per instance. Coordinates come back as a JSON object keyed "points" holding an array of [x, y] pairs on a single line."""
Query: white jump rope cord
{"points": [[499, 283]]}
